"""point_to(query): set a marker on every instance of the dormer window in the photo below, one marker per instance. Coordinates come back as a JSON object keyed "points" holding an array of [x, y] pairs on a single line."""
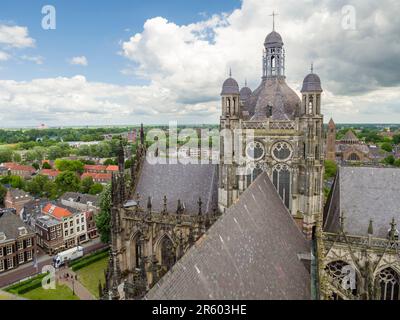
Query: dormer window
{"points": [[3, 236]]}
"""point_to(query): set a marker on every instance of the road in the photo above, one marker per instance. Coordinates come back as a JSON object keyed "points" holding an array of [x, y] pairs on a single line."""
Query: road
{"points": [[28, 269]]}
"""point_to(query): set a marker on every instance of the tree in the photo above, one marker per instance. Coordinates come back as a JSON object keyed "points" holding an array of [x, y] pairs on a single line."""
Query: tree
{"points": [[3, 192], [396, 139], [103, 219], [108, 162], [397, 163], [68, 181], [36, 165], [46, 165], [86, 184], [42, 186], [69, 165], [330, 169], [387, 147], [16, 182], [389, 160], [96, 189], [5, 155]]}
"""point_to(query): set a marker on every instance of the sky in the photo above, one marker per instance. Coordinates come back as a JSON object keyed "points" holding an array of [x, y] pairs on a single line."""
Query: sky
{"points": [[126, 62]]}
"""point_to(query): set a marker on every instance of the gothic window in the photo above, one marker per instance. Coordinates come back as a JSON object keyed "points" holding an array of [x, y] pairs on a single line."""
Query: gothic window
{"points": [[168, 257], [389, 284], [281, 180], [255, 150], [342, 275], [256, 172], [316, 153], [354, 157], [281, 151]]}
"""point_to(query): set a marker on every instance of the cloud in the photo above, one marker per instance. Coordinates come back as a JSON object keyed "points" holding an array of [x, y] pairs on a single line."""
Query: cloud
{"points": [[4, 56], [36, 59], [192, 60], [81, 61], [15, 37], [185, 65]]}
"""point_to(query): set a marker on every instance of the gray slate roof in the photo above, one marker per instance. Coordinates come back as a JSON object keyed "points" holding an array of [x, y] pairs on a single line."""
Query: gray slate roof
{"points": [[276, 93], [178, 181], [251, 252], [80, 198], [311, 83], [230, 86], [9, 224], [273, 39], [364, 193]]}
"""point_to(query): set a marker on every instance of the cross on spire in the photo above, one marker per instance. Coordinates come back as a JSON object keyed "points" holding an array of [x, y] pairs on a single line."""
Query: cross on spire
{"points": [[273, 19], [312, 67], [230, 72]]}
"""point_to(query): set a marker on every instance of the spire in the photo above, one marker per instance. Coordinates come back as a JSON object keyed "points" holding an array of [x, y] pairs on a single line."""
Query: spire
{"points": [[149, 204], [342, 218], [200, 204], [312, 67], [370, 227], [141, 134], [245, 82], [230, 72], [121, 156], [164, 205]]}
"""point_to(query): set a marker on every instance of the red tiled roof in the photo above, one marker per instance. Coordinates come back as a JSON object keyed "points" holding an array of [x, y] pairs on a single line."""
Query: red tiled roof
{"points": [[95, 167], [112, 168], [56, 212], [50, 172], [97, 176], [20, 167]]}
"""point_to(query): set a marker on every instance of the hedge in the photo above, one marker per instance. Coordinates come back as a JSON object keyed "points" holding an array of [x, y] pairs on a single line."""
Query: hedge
{"points": [[89, 260], [27, 285], [95, 254]]}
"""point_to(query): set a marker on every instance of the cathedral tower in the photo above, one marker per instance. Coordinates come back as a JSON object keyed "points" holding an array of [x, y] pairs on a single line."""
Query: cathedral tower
{"points": [[281, 134], [331, 141]]}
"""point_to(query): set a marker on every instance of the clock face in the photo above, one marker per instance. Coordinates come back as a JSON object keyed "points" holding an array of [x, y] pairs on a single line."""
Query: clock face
{"points": [[255, 150], [282, 151]]}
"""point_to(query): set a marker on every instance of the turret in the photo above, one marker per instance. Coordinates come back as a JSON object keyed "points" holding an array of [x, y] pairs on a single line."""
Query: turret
{"points": [[311, 94], [230, 97]]}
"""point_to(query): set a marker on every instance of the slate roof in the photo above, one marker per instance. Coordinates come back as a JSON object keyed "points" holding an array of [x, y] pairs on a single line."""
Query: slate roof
{"points": [[251, 252], [9, 224], [311, 83], [273, 39], [230, 86], [364, 193], [276, 93], [80, 198], [350, 136], [178, 181], [18, 194]]}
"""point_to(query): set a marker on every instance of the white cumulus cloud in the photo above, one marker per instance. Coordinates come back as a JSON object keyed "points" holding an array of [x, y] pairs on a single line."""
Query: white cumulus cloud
{"points": [[81, 61]]}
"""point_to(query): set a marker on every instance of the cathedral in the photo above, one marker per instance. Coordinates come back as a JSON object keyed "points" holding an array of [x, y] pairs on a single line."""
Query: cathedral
{"points": [[255, 226]]}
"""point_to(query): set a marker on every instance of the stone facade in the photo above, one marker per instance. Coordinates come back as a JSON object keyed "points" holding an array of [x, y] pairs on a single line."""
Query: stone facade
{"points": [[279, 134]]}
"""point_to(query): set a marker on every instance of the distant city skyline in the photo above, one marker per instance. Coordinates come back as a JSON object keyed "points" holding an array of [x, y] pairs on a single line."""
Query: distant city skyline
{"points": [[127, 62]]}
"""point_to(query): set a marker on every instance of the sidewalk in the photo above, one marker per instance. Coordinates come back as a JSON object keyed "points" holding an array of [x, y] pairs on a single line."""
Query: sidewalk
{"points": [[73, 284]]}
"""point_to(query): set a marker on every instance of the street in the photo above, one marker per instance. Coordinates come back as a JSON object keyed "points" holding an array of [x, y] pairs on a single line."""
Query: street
{"points": [[28, 269]]}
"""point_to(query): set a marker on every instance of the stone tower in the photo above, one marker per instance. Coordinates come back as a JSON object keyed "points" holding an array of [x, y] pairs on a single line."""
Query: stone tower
{"points": [[278, 133], [331, 141]]}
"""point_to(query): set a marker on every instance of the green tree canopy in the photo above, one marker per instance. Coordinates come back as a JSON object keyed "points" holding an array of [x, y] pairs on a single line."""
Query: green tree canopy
{"points": [[96, 189], [68, 181], [86, 184], [387, 147], [69, 165], [330, 169], [103, 219]]}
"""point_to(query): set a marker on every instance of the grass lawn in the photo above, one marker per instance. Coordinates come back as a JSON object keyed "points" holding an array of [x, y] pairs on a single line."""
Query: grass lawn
{"points": [[90, 275], [62, 292]]}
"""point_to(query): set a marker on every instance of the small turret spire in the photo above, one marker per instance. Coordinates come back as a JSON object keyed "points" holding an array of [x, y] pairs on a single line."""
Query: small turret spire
{"points": [[370, 227]]}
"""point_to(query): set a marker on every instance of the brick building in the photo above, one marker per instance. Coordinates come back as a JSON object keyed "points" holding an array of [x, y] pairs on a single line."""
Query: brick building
{"points": [[16, 199], [17, 242]]}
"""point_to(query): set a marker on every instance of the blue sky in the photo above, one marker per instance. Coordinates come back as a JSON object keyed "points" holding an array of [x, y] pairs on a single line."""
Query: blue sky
{"points": [[126, 62], [93, 29]]}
